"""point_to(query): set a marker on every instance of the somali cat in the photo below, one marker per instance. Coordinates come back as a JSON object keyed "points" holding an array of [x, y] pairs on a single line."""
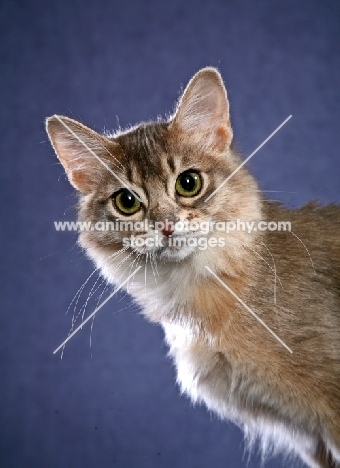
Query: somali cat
{"points": [[286, 394]]}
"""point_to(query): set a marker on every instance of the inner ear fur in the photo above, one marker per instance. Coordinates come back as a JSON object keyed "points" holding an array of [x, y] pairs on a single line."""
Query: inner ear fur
{"points": [[83, 152], [203, 111]]}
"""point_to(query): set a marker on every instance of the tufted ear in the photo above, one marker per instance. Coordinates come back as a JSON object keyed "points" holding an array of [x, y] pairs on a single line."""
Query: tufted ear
{"points": [[83, 152], [203, 111]]}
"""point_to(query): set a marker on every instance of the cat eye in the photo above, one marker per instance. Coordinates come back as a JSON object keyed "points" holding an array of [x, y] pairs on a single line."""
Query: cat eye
{"points": [[188, 184], [126, 202]]}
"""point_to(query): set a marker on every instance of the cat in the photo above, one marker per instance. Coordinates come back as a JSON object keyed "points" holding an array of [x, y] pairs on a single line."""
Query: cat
{"points": [[252, 321]]}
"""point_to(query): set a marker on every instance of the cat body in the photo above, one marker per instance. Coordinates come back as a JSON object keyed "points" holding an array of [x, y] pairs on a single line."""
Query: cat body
{"points": [[218, 305]]}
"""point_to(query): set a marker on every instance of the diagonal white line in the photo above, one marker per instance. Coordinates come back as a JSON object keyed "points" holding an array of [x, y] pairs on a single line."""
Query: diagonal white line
{"points": [[246, 160], [97, 157], [96, 310], [249, 309]]}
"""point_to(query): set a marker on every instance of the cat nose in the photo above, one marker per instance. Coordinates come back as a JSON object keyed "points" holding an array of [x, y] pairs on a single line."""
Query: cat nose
{"points": [[169, 226], [167, 231]]}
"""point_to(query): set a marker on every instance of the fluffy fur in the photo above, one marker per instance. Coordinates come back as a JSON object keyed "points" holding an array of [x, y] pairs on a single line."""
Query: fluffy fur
{"points": [[224, 357]]}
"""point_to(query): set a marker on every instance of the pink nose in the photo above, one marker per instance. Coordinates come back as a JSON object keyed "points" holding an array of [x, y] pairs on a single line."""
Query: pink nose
{"points": [[167, 231]]}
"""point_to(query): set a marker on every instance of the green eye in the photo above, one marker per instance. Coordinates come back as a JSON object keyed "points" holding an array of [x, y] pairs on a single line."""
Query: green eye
{"points": [[188, 184], [126, 202]]}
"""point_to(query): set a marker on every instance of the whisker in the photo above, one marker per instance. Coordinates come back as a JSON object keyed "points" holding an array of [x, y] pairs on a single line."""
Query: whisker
{"points": [[91, 293], [310, 257], [267, 191], [263, 243], [146, 264], [260, 256], [80, 290], [131, 265], [152, 259], [110, 257], [156, 266]]}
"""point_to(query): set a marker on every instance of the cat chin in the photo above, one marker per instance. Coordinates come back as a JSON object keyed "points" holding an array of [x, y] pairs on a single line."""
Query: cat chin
{"points": [[169, 253], [172, 254]]}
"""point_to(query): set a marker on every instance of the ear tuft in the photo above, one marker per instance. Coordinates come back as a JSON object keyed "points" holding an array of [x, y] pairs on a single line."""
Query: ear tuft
{"points": [[80, 150], [203, 111]]}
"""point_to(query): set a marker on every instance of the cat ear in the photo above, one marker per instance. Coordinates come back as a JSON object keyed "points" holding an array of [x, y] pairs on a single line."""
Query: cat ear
{"points": [[81, 151], [203, 111]]}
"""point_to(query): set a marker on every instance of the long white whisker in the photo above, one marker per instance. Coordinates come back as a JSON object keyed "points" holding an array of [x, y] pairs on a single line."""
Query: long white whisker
{"points": [[265, 261], [275, 275], [146, 264], [95, 311], [131, 265], [310, 257], [80, 290], [152, 258], [110, 257]]}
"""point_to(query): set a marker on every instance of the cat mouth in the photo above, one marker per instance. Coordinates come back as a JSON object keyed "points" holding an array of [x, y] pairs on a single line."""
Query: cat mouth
{"points": [[171, 248], [174, 252]]}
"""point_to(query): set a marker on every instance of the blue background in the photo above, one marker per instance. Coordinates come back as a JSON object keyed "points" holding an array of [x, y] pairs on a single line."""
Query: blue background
{"points": [[116, 404]]}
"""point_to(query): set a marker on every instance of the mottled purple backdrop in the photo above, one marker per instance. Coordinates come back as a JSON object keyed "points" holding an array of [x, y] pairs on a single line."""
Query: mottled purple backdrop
{"points": [[113, 63]]}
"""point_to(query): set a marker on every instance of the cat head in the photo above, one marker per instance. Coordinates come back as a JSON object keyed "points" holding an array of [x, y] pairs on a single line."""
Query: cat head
{"points": [[165, 172]]}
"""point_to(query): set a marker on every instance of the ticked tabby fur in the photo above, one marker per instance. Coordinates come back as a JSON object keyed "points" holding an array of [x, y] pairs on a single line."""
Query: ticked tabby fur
{"points": [[224, 357]]}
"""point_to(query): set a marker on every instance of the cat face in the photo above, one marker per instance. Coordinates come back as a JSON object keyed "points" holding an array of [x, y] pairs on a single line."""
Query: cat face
{"points": [[146, 189]]}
